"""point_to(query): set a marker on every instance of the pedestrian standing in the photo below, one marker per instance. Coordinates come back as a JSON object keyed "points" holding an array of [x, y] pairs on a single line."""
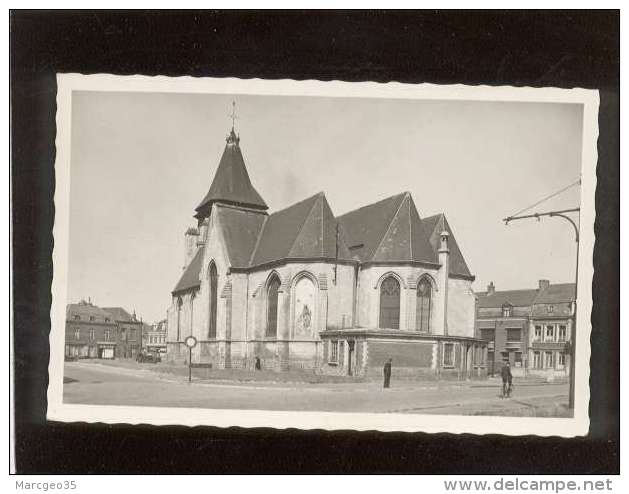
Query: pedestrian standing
{"points": [[258, 365], [505, 372], [387, 373]]}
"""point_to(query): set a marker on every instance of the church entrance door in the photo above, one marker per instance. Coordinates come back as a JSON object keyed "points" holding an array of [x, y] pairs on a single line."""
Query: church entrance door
{"points": [[390, 303]]}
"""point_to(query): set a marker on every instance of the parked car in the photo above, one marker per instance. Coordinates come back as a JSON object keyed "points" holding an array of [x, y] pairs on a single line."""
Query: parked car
{"points": [[148, 357]]}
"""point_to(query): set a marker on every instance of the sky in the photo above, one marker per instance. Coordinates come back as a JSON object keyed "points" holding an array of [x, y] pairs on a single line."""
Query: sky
{"points": [[141, 163]]}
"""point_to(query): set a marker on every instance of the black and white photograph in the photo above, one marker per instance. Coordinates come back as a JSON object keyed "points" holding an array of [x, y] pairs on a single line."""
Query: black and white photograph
{"points": [[353, 250], [339, 242]]}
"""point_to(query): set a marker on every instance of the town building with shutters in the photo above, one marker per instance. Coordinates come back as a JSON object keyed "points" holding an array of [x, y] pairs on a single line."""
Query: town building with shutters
{"points": [[529, 328], [301, 288]]}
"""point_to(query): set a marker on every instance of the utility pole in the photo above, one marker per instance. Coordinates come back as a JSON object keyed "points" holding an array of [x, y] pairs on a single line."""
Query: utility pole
{"points": [[573, 343]]}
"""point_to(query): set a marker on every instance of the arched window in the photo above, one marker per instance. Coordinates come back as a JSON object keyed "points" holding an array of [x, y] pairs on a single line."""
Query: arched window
{"points": [[390, 303], [271, 306], [179, 305], [424, 305], [304, 307], [213, 300]]}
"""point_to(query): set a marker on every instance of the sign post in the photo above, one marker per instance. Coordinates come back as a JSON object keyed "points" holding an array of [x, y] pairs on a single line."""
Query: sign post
{"points": [[191, 342]]}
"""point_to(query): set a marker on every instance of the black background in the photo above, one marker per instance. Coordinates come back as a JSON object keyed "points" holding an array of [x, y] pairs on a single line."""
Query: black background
{"points": [[562, 49]]}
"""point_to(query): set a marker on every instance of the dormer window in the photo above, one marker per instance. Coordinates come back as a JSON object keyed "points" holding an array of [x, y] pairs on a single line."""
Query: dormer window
{"points": [[77, 317], [506, 310], [551, 309], [91, 318]]}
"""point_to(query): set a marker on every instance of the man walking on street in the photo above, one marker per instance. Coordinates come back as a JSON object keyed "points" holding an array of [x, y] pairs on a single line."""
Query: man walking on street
{"points": [[506, 380], [387, 373]]}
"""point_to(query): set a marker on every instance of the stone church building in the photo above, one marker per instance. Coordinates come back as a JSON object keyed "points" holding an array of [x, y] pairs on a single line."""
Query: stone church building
{"points": [[300, 288]]}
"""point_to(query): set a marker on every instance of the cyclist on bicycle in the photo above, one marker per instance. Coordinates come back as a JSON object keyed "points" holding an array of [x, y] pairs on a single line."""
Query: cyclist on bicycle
{"points": [[506, 380]]}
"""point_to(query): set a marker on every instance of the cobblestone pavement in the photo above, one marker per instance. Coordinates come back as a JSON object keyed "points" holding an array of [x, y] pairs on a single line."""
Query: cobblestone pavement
{"points": [[93, 383]]}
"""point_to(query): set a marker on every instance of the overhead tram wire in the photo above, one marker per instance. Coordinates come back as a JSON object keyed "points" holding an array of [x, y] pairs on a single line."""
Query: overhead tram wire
{"points": [[578, 182]]}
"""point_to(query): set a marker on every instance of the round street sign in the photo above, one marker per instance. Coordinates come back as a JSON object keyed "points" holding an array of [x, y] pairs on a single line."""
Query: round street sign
{"points": [[191, 342]]}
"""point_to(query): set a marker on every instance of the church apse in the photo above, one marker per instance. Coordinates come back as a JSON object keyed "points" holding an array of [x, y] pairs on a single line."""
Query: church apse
{"points": [[301, 288]]}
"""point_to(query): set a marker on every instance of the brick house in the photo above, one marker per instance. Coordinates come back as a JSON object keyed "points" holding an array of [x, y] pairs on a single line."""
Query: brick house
{"points": [[129, 336], [531, 329], [90, 332]]}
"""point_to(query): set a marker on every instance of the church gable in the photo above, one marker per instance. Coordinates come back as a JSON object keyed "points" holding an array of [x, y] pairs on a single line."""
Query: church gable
{"points": [[389, 230], [317, 236], [280, 232], [366, 226]]}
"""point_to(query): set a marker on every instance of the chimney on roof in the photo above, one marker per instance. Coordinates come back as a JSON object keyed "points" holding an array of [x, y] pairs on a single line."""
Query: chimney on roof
{"points": [[491, 289], [543, 284]]}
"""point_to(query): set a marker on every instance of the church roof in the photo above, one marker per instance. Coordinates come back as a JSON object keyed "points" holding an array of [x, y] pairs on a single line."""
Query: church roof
{"points": [[388, 230], [231, 183], [306, 229], [190, 277], [241, 229], [436, 224]]}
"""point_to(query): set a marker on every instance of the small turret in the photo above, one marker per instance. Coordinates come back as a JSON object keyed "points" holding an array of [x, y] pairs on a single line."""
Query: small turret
{"points": [[190, 245], [444, 274]]}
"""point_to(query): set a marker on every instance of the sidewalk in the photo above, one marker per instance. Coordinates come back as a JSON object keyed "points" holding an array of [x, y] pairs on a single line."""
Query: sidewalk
{"points": [[264, 378], [270, 378], [544, 406]]}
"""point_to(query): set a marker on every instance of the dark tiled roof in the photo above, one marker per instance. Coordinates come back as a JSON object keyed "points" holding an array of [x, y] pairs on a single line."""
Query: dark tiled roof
{"points": [[556, 294], [517, 298], [366, 226], [388, 230], [86, 310], [306, 229], [231, 182], [190, 277], [119, 314], [241, 229], [434, 225]]}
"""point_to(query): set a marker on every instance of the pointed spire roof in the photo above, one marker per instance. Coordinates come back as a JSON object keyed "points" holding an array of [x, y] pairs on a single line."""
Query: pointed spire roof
{"points": [[434, 226], [388, 230], [231, 184]]}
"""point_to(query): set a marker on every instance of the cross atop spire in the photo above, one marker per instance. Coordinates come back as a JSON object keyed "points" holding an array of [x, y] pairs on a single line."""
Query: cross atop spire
{"points": [[233, 115], [232, 137]]}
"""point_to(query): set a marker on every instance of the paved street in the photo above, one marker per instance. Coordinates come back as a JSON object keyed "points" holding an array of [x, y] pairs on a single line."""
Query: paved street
{"points": [[93, 383]]}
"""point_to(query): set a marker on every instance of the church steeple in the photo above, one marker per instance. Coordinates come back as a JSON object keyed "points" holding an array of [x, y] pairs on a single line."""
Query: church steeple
{"points": [[231, 184]]}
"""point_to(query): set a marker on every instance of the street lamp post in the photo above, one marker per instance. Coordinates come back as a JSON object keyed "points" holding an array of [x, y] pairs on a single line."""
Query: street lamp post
{"points": [[563, 214]]}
